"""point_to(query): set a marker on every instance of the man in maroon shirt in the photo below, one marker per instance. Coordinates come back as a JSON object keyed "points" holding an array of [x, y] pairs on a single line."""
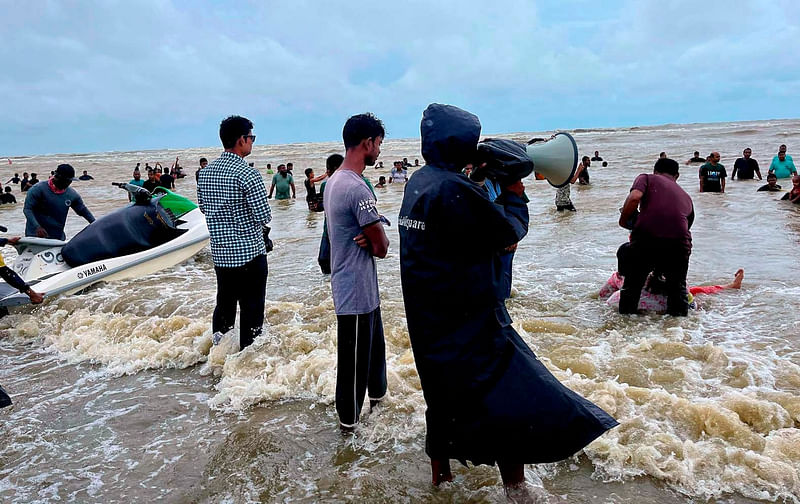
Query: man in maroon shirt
{"points": [[660, 238]]}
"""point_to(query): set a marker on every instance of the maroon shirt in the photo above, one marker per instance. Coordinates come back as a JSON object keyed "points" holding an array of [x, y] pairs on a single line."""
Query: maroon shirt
{"points": [[666, 211]]}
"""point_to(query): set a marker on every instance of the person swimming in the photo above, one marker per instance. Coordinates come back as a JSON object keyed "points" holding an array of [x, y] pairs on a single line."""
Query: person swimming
{"points": [[653, 297]]}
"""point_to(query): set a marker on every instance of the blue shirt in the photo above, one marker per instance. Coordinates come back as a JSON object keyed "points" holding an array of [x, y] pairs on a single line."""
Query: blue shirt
{"points": [[233, 198], [783, 169]]}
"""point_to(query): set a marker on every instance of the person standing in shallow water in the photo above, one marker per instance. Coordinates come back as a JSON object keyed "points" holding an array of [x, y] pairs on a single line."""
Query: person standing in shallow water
{"points": [[356, 239], [233, 198], [489, 399]]}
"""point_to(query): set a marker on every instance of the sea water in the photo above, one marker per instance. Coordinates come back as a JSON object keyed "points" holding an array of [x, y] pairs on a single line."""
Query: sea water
{"points": [[118, 395]]}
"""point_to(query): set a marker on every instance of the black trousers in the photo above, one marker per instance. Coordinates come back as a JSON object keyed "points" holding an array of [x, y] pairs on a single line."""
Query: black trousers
{"points": [[360, 363], [245, 286], [643, 255]]}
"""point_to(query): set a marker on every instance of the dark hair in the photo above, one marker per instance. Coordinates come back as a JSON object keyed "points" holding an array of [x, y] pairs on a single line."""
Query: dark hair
{"points": [[289, 164], [696, 153], [308, 171], [333, 162], [605, 163], [585, 158], [232, 128], [203, 160], [381, 180], [361, 127], [772, 175], [8, 188], [666, 165]]}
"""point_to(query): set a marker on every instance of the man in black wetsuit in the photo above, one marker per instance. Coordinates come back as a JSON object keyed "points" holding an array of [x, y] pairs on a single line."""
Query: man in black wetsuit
{"points": [[596, 156]]}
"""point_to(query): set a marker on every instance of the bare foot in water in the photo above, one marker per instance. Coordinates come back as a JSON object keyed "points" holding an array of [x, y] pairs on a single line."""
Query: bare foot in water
{"points": [[737, 279]]}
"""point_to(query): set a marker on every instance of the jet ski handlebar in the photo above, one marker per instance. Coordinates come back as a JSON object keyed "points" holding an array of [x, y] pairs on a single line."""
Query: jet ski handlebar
{"points": [[138, 193]]}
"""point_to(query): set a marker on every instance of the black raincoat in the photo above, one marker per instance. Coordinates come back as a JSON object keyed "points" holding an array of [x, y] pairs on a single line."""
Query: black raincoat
{"points": [[489, 398]]}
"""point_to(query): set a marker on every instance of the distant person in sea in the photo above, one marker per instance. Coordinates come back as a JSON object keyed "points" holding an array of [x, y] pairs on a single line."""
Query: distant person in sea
{"points": [[14, 180], [379, 165], [30, 183], [233, 198], [662, 155], [290, 168], [47, 205], [158, 170], [152, 182], [24, 182], [269, 169], [771, 185], [177, 170], [583, 177], [660, 239], [605, 164], [696, 158], [85, 176], [416, 163], [203, 164], [713, 175], [324, 257], [563, 201], [7, 198], [794, 194], [596, 156], [167, 181], [282, 183], [357, 238], [399, 173], [406, 164], [489, 399], [313, 199], [782, 165], [746, 166], [381, 182]]}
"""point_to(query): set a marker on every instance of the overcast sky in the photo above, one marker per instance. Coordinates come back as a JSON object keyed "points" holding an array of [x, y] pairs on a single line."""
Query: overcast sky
{"points": [[80, 76]]}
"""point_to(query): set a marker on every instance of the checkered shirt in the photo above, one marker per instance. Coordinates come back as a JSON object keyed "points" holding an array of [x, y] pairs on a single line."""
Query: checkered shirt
{"points": [[234, 200]]}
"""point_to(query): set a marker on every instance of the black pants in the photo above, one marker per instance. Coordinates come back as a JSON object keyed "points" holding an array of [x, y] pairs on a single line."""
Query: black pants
{"points": [[324, 258], [360, 363], [663, 256], [246, 286]]}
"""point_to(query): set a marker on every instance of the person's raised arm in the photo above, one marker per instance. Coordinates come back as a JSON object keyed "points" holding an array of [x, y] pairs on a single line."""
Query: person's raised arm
{"points": [[319, 178], [630, 206]]}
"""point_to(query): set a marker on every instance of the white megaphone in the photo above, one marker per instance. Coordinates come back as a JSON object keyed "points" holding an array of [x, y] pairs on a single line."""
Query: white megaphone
{"points": [[556, 159]]}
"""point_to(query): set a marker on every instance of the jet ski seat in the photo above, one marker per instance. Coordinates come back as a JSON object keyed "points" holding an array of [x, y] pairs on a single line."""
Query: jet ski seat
{"points": [[125, 231]]}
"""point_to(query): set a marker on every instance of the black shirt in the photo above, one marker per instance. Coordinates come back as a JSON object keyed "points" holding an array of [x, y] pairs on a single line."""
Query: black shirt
{"points": [[712, 177], [745, 168], [14, 180], [597, 158], [85, 177], [167, 181], [697, 160], [150, 184], [311, 190], [766, 187], [7, 198]]}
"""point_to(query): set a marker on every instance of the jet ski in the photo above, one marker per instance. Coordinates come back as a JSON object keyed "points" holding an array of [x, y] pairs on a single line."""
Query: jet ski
{"points": [[156, 231]]}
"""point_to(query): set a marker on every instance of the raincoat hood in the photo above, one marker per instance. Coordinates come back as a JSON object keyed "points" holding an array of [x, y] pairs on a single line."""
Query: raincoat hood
{"points": [[449, 136]]}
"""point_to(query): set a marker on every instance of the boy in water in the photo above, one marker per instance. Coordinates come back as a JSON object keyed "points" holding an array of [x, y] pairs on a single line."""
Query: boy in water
{"points": [[771, 185], [794, 194]]}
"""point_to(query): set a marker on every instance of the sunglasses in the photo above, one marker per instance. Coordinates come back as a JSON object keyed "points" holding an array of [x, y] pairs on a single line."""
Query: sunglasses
{"points": [[251, 137]]}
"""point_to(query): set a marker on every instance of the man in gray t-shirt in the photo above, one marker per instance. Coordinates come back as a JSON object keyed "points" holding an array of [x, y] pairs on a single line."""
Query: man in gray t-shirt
{"points": [[350, 207], [357, 237]]}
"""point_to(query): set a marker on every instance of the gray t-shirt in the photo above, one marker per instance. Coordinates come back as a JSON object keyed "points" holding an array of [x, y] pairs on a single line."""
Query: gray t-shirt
{"points": [[349, 207]]}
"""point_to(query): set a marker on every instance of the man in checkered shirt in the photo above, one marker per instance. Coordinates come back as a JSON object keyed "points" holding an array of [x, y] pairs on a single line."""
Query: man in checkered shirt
{"points": [[234, 200]]}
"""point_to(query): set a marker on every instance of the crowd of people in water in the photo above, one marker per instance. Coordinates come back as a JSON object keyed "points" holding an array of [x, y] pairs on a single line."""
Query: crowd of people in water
{"points": [[450, 201]]}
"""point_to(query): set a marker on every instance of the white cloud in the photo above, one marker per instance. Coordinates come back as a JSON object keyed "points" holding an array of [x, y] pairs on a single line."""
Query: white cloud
{"points": [[132, 63]]}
